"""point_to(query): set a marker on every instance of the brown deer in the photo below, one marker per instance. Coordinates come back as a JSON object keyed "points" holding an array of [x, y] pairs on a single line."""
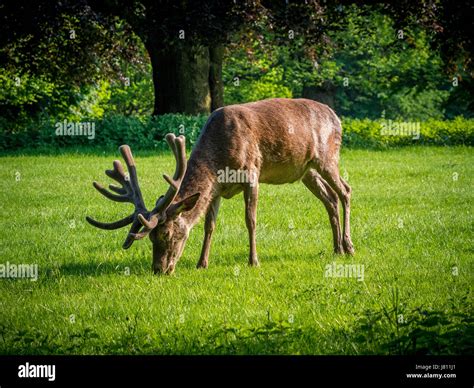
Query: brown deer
{"points": [[275, 141]]}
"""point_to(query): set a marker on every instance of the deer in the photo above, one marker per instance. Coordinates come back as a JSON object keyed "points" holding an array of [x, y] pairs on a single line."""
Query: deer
{"points": [[277, 140]]}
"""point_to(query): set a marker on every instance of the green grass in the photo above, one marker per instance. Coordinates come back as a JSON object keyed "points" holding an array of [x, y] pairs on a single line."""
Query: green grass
{"points": [[412, 227]]}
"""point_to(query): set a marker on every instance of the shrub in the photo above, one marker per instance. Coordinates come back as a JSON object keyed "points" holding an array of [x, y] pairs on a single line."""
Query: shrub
{"points": [[148, 133], [110, 132], [365, 133]]}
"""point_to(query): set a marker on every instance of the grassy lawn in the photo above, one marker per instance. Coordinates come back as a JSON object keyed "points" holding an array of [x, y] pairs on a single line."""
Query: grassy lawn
{"points": [[412, 227]]}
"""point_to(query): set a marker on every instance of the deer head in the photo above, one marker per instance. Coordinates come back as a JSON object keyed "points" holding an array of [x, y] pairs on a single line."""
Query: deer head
{"points": [[163, 224]]}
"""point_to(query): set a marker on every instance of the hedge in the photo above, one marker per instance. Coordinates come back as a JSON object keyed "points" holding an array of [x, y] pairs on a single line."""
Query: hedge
{"points": [[148, 133]]}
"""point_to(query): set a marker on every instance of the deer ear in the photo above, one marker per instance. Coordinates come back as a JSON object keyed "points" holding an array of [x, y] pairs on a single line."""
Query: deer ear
{"points": [[183, 205]]}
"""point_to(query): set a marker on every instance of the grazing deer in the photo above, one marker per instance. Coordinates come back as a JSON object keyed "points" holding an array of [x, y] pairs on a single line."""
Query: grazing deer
{"points": [[276, 140]]}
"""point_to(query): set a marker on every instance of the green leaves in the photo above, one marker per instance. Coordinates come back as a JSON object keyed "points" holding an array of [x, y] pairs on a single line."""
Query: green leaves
{"points": [[374, 69], [365, 133], [147, 133]]}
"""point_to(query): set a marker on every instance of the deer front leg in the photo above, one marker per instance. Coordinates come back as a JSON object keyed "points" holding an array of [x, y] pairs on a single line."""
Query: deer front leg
{"points": [[209, 226], [251, 197]]}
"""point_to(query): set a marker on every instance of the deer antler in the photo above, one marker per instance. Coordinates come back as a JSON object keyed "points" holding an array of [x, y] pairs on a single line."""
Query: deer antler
{"points": [[130, 192], [178, 146]]}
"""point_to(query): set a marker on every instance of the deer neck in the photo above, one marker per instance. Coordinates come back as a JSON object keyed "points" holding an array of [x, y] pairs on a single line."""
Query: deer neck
{"points": [[198, 179]]}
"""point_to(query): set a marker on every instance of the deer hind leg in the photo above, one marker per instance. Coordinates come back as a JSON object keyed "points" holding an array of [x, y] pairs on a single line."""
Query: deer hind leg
{"points": [[251, 197], [209, 226], [321, 189], [331, 174]]}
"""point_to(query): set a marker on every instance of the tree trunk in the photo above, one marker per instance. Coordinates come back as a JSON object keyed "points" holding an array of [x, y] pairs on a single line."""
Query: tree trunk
{"points": [[180, 79], [186, 79], [216, 56], [326, 93]]}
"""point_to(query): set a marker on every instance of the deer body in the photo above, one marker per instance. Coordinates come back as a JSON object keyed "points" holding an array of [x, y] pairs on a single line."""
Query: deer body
{"points": [[273, 141]]}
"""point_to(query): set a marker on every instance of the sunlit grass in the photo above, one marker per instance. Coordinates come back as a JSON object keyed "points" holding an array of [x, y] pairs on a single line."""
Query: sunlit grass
{"points": [[412, 228]]}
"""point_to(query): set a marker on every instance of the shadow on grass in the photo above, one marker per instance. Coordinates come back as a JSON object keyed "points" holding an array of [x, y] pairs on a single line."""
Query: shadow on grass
{"points": [[100, 268], [432, 332], [284, 257], [419, 331]]}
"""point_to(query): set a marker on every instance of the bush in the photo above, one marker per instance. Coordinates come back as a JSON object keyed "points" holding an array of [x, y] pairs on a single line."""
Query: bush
{"points": [[109, 132], [365, 133], [148, 133]]}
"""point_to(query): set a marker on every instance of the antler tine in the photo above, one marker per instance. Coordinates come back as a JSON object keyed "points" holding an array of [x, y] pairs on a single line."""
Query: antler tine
{"points": [[117, 189], [129, 192], [136, 226], [170, 139], [180, 143], [112, 225], [114, 197], [148, 226], [117, 174], [178, 146], [133, 179]]}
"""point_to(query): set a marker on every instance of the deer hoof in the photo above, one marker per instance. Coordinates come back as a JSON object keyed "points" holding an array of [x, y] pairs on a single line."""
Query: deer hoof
{"points": [[201, 265], [349, 248], [254, 263]]}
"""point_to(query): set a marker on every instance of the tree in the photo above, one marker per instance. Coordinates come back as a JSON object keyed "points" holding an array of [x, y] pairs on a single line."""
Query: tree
{"points": [[185, 40], [52, 53]]}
